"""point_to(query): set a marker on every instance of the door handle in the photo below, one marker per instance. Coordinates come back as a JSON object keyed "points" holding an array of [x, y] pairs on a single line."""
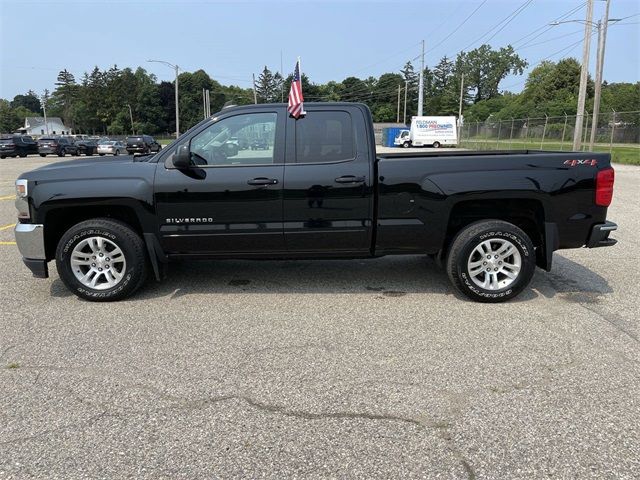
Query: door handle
{"points": [[262, 181], [350, 179]]}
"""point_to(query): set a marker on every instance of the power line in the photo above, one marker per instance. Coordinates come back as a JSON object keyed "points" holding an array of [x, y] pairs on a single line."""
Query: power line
{"points": [[546, 26], [457, 28], [507, 19]]}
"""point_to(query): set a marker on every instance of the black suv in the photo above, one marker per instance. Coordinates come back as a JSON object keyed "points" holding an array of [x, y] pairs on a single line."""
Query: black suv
{"points": [[17, 145], [57, 146], [142, 144]]}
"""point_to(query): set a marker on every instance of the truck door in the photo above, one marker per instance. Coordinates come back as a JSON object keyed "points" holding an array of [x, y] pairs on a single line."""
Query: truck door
{"points": [[328, 194], [230, 201]]}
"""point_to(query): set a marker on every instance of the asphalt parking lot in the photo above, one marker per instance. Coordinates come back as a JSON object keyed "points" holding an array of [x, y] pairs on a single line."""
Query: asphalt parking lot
{"points": [[316, 369]]}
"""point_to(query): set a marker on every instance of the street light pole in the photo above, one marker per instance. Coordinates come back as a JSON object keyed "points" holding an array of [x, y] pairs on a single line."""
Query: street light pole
{"points": [[176, 68], [602, 39], [601, 26], [584, 73]]}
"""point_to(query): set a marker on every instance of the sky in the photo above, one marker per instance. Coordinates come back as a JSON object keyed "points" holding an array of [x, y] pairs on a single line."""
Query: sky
{"points": [[335, 39]]}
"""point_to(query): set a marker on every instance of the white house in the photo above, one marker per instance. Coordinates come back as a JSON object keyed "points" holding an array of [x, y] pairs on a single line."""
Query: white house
{"points": [[37, 126]]}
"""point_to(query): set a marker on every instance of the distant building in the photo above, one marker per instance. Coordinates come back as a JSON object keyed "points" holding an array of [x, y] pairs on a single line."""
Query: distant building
{"points": [[36, 126]]}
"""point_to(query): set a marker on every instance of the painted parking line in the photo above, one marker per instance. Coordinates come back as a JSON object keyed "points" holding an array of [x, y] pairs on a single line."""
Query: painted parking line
{"points": [[7, 227], [8, 197], [7, 243]]}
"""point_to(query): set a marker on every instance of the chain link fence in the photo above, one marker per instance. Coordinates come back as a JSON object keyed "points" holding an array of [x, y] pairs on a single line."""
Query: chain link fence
{"points": [[615, 130]]}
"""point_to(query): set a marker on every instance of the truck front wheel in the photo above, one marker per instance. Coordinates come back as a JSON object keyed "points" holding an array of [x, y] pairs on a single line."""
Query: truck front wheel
{"points": [[406, 144], [101, 260], [491, 261]]}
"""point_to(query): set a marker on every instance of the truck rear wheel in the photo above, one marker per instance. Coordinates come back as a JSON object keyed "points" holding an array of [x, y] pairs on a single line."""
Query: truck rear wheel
{"points": [[101, 260], [436, 144], [491, 261]]}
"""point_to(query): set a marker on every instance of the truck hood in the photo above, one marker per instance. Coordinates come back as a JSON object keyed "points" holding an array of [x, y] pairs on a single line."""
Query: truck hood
{"points": [[93, 168], [93, 161]]}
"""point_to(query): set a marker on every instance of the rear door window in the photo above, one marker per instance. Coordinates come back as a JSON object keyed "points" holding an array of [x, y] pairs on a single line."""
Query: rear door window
{"points": [[323, 137]]}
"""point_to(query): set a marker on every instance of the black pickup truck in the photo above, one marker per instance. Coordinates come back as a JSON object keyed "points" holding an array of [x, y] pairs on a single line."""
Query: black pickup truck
{"points": [[318, 190]]}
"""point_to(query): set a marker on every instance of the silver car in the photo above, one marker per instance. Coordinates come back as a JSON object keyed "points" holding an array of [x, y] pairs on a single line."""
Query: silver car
{"points": [[111, 147]]}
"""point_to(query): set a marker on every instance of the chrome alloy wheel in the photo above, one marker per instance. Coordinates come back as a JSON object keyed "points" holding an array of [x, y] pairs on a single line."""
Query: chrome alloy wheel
{"points": [[98, 263], [494, 264]]}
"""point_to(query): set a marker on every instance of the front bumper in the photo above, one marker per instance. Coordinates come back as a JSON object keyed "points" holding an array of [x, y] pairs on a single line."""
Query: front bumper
{"points": [[30, 241], [599, 236]]}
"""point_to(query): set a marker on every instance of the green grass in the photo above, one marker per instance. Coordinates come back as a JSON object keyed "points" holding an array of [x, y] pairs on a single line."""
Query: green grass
{"points": [[627, 154], [13, 365]]}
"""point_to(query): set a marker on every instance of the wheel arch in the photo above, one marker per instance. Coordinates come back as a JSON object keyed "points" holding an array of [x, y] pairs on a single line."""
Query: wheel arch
{"points": [[525, 213], [60, 219]]}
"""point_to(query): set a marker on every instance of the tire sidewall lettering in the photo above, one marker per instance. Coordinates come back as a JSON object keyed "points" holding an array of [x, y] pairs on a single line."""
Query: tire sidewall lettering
{"points": [[520, 245]]}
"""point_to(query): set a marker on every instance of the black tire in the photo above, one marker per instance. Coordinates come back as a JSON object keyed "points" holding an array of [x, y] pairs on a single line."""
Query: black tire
{"points": [[406, 145], [62, 153], [117, 153], [43, 154], [132, 246], [101, 154], [462, 249], [436, 144], [3, 156], [23, 155]]}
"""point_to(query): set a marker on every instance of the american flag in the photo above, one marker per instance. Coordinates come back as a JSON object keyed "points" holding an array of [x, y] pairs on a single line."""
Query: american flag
{"points": [[295, 107]]}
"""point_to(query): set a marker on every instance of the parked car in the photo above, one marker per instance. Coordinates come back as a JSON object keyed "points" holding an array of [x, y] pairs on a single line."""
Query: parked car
{"points": [[490, 217], [259, 144], [17, 145], [142, 144], [111, 147], [56, 146], [87, 146]]}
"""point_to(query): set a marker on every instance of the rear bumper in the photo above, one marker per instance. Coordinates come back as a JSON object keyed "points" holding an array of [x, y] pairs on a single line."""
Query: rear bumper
{"points": [[599, 236], [30, 241]]}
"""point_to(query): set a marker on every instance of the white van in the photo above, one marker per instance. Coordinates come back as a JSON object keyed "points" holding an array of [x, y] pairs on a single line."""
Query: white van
{"points": [[429, 131]]}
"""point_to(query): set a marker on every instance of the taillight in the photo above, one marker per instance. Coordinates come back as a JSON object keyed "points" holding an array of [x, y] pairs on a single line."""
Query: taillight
{"points": [[604, 187]]}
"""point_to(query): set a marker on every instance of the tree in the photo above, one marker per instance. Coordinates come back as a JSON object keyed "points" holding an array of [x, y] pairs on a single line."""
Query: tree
{"points": [[30, 101], [267, 87], [411, 82], [9, 120], [65, 95], [485, 68]]}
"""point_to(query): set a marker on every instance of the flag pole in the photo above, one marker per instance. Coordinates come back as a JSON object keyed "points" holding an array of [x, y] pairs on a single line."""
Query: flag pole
{"points": [[300, 71]]}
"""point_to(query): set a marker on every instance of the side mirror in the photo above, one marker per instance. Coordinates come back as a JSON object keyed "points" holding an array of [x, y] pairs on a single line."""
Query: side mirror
{"points": [[182, 157]]}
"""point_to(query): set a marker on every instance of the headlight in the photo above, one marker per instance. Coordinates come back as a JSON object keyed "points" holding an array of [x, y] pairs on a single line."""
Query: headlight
{"points": [[21, 188], [22, 202]]}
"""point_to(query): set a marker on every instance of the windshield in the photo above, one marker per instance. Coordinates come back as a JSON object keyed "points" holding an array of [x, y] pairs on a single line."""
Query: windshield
{"points": [[47, 140], [134, 139], [107, 143]]}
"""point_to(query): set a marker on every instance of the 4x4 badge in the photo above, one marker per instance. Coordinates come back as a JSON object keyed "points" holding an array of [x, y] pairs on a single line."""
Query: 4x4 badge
{"points": [[589, 161]]}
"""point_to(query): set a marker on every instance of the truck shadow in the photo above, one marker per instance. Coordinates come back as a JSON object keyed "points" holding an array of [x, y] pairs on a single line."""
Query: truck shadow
{"points": [[386, 277]]}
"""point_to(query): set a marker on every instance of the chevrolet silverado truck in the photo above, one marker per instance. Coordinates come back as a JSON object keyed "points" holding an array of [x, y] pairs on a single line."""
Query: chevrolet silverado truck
{"points": [[317, 190]]}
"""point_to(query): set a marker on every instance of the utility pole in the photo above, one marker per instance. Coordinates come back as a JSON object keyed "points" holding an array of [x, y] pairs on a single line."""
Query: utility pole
{"points": [[584, 72], [602, 39], [255, 96], [460, 107], [421, 84], [398, 114], [133, 132], [177, 69], [43, 101], [406, 87]]}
